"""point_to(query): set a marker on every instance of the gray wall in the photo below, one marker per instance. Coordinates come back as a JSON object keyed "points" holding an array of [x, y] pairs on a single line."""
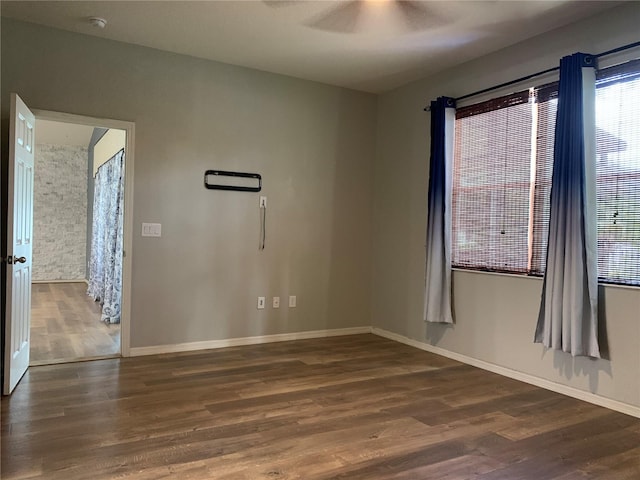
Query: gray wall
{"points": [[313, 144], [59, 212], [495, 314]]}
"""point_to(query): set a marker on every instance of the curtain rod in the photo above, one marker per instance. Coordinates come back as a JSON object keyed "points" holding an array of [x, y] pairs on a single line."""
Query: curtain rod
{"points": [[537, 74], [619, 49]]}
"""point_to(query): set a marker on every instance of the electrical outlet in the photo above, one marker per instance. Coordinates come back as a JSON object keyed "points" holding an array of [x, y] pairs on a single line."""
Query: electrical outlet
{"points": [[263, 201], [276, 302], [292, 301], [261, 302]]}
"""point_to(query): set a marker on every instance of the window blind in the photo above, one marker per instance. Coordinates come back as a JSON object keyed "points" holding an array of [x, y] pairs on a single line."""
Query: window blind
{"points": [[618, 173], [545, 109], [491, 177], [503, 163]]}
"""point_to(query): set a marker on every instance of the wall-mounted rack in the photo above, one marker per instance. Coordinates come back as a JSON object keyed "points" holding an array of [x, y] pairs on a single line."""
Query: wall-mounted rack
{"points": [[235, 181]]}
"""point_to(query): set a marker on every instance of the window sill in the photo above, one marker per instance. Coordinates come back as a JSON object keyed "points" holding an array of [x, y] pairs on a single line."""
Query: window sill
{"points": [[499, 274], [535, 277]]}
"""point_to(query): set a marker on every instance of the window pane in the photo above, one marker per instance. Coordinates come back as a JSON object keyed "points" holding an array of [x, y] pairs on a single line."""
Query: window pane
{"points": [[618, 180], [492, 163], [545, 137]]}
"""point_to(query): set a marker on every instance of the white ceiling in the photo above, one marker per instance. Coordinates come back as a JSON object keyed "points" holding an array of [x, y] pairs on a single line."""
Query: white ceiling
{"points": [[58, 133], [379, 55]]}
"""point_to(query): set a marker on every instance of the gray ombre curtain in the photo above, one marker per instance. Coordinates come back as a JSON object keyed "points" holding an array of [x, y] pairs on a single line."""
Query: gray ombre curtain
{"points": [[568, 318], [437, 301], [105, 264]]}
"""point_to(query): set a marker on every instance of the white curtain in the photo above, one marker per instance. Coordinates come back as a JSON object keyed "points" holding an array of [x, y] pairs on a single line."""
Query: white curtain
{"points": [[105, 264], [568, 318], [437, 299]]}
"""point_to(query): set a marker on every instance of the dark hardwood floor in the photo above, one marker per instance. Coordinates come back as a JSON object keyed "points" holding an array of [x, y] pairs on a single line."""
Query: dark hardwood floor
{"points": [[66, 326], [356, 407]]}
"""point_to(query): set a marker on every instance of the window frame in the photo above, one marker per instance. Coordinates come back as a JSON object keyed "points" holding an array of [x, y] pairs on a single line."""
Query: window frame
{"points": [[628, 71]]}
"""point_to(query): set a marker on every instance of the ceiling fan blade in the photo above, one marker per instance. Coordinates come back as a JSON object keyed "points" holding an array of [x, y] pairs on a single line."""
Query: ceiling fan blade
{"points": [[419, 15], [340, 19]]}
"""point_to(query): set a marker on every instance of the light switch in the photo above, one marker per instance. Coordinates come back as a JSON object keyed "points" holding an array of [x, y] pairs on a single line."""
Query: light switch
{"points": [[151, 229]]}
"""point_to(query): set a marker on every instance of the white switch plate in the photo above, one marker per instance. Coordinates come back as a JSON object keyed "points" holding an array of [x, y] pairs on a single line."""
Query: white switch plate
{"points": [[261, 302], [292, 301], [276, 302], [263, 201], [151, 229]]}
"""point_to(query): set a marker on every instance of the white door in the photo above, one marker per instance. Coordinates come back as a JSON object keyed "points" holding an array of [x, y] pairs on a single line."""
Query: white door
{"points": [[19, 243]]}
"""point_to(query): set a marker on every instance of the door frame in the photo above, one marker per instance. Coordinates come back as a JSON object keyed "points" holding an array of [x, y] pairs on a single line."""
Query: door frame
{"points": [[129, 128]]}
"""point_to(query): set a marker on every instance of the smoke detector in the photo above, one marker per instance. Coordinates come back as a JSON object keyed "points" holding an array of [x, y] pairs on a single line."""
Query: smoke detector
{"points": [[97, 22]]}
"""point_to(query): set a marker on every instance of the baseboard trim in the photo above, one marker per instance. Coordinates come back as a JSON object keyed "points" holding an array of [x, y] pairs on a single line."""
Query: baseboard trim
{"points": [[507, 372], [234, 342]]}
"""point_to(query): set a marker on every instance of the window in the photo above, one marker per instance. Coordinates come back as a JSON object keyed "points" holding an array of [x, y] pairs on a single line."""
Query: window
{"points": [[503, 163], [502, 179], [545, 111], [618, 173], [491, 184]]}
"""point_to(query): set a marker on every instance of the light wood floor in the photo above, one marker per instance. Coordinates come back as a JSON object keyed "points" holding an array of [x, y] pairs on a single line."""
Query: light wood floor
{"points": [[357, 407], [66, 326]]}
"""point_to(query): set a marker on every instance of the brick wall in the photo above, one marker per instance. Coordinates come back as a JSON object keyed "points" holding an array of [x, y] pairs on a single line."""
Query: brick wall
{"points": [[60, 213]]}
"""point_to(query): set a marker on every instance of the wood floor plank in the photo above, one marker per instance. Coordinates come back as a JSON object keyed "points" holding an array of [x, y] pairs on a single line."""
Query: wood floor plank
{"points": [[355, 407], [66, 326]]}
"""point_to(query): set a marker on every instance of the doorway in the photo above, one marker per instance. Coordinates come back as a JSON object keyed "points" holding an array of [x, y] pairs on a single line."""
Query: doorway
{"points": [[74, 317]]}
